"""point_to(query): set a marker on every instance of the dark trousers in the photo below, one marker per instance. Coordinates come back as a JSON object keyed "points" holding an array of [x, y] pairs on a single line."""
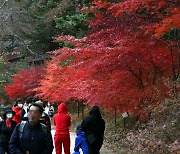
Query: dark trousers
{"points": [[3, 150], [94, 148]]}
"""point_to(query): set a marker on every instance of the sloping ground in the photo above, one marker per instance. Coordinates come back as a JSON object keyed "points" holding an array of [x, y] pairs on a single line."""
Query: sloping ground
{"points": [[160, 135]]}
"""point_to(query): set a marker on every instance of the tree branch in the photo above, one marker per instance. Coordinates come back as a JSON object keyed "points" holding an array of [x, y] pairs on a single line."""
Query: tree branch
{"points": [[3, 3], [138, 77]]}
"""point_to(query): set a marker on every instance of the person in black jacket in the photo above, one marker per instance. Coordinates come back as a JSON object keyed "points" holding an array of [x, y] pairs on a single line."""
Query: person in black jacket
{"points": [[32, 137], [7, 126], [24, 112], [46, 120], [93, 127]]}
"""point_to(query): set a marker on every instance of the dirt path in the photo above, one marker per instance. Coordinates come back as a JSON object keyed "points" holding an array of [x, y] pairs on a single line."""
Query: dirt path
{"points": [[72, 136]]}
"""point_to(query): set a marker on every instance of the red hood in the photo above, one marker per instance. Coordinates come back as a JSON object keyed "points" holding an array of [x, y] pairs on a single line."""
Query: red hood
{"points": [[62, 108]]}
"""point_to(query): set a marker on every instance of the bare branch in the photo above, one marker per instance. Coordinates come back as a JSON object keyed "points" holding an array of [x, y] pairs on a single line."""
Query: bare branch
{"points": [[27, 46], [3, 3]]}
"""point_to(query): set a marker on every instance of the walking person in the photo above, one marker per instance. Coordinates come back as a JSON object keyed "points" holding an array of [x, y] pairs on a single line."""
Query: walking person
{"points": [[31, 137], [17, 107], [24, 111], [51, 111], [45, 119], [93, 127], [7, 126], [80, 141], [62, 121]]}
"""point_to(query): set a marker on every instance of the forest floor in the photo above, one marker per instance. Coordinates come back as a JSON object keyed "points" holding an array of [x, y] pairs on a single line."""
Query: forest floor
{"points": [[159, 135]]}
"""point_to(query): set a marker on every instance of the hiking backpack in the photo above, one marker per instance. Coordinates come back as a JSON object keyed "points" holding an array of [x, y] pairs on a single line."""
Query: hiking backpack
{"points": [[22, 125]]}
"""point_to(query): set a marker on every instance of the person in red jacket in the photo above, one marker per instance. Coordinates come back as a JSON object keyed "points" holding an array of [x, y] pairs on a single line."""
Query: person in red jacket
{"points": [[17, 107], [62, 121]]}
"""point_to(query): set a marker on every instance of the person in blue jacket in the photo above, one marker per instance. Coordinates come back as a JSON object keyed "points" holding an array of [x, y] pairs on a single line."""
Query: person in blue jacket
{"points": [[31, 137], [80, 141]]}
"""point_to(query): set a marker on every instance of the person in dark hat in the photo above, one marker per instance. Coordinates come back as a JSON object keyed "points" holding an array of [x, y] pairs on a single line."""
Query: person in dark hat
{"points": [[31, 136], [7, 126], [93, 127]]}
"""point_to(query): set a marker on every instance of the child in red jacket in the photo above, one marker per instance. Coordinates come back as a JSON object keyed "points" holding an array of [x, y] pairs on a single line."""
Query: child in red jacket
{"points": [[62, 121]]}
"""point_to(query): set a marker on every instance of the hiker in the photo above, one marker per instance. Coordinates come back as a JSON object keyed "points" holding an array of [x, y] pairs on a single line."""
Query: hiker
{"points": [[17, 107], [51, 111], [45, 118], [31, 137], [7, 126], [62, 121], [24, 111], [80, 141], [93, 127]]}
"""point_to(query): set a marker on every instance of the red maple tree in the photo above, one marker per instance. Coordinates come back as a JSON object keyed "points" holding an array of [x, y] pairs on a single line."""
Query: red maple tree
{"points": [[122, 63], [125, 62], [24, 82]]}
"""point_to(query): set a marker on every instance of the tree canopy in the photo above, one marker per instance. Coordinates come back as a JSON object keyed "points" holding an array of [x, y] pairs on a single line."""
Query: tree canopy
{"points": [[125, 62]]}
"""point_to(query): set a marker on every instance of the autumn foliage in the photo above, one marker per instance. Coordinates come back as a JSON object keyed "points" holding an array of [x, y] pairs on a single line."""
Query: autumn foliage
{"points": [[24, 81], [125, 63]]}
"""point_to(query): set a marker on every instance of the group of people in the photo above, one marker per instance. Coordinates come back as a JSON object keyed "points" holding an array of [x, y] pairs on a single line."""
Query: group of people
{"points": [[25, 129], [28, 131]]}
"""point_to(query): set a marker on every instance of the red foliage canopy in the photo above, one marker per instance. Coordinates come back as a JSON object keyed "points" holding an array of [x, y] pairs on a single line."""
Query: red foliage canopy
{"points": [[24, 82], [122, 63]]}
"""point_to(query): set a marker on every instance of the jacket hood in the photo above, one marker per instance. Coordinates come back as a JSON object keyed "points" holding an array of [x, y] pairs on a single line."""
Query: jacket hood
{"points": [[95, 112], [81, 133], [62, 108]]}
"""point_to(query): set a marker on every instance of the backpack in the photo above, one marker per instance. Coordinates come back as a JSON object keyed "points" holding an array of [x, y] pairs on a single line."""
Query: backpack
{"points": [[22, 125]]}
